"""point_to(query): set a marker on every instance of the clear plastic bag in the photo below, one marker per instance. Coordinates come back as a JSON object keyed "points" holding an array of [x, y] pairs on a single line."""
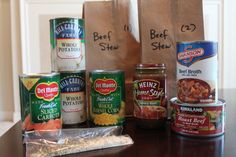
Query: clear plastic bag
{"points": [[67, 141]]}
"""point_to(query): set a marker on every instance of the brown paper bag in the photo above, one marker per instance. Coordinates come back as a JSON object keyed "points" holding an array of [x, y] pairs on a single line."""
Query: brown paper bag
{"points": [[188, 20], [161, 26], [109, 43], [157, 37]]}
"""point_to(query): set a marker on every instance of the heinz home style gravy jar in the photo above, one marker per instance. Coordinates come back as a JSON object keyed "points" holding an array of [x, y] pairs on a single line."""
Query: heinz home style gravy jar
{"points": [[150, 98]]}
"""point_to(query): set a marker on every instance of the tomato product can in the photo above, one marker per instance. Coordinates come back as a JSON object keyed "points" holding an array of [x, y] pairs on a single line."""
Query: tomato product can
{"points": [[67, 44], [73, 85], [203, 120], [150, 95], [107, 97], [40, 101], [197, 72]]}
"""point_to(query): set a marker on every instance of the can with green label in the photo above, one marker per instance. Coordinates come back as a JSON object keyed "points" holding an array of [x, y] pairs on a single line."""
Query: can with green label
{"points": [[107, 97], [40, 101], [73, 99], [67, 44]]}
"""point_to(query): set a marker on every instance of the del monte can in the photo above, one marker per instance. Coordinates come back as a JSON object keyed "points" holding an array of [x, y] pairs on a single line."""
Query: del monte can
{"points": [[107, 97], [40, 101]]}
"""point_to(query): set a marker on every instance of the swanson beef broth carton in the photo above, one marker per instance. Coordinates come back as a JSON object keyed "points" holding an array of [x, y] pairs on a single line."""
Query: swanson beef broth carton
{"points": [[197, 72]]}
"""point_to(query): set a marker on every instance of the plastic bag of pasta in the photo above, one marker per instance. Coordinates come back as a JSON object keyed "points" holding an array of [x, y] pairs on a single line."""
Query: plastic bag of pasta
{"points": [[67, 141]]}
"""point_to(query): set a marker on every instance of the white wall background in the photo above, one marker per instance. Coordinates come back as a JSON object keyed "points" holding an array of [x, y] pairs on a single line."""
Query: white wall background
{"points": [[219, 16], [229, 36], [213, 25], [6, 87]]}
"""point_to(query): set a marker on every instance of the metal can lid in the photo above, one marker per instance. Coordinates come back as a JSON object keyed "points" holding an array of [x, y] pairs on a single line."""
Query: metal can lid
{"points": [[72, 72], [220, 102], [34, 75], [66, 18], [151, 66], [196, 41], [106, 71]]}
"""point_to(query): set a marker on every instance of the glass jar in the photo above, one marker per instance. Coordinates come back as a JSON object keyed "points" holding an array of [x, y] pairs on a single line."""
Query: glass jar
{"points": [[150, 97]]}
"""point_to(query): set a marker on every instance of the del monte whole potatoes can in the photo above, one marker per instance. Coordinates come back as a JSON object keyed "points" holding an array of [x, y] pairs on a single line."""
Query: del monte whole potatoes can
{"points": [[40, 101], [107, 97]]}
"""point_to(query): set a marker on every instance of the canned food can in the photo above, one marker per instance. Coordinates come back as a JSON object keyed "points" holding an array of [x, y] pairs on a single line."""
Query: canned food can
{"points": [[107, 97], [73, 99], [202, 120], [67, 44], [197, 72], [40, 101]]}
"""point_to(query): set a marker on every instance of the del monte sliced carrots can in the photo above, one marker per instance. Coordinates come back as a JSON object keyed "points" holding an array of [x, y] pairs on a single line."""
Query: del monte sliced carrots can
{"points": [[40, 101]]}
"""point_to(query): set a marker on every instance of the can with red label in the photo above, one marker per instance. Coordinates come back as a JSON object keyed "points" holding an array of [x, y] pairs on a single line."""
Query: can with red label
{"points": [[203, 120], [150, 96], [197, 72]]}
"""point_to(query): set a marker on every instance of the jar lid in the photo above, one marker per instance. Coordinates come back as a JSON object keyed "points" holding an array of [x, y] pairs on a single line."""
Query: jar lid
{"points": [[151, 66]]}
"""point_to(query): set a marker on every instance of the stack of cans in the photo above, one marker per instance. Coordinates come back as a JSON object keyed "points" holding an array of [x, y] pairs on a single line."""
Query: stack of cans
{"points": [[68, 59], [197, 111]]}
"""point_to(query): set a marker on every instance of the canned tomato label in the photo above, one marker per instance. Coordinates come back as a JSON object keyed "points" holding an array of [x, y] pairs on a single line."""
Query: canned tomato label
{"points": [[197, 72], [40, 101], [73, 98], [107, 97], [67, 44], [198, 120]]}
